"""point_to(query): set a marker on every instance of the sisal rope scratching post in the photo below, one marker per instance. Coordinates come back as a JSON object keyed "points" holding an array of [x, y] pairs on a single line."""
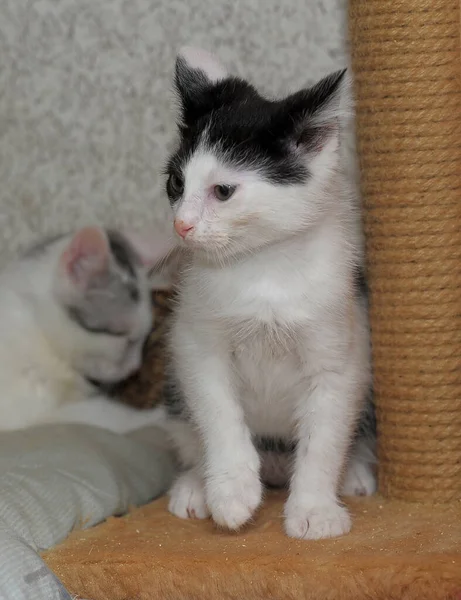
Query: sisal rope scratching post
{"points": [[407, 65]]}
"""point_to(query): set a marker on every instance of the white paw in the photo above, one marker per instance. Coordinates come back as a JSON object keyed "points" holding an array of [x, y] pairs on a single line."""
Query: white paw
{"points": [[234, 496], [187, 497], [359, 480], [315, 519]]}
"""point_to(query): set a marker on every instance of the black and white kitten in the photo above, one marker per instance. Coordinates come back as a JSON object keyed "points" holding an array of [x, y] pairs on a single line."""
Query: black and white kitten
{"points": [[75, 312], [270, 343]]}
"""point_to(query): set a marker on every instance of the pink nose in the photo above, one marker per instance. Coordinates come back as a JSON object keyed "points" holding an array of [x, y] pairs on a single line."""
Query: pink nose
{"points": [[182, 228]]}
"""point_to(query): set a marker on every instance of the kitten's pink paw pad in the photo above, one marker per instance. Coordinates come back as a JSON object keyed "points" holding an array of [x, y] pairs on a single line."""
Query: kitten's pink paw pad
{"points": [[316, 521], [187, 497], [360, 480], [234, 499]]}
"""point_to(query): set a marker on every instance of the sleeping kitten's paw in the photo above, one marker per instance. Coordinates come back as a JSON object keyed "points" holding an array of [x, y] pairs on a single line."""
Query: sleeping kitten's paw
{"points": [[234, 496], [359, 480], [187, 497], [315, 518]]}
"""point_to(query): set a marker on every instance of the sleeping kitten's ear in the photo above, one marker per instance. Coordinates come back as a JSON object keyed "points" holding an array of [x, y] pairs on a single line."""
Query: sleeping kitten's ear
{"points": [[197, 71], [311, 118], [158, 253], [86, 256]]}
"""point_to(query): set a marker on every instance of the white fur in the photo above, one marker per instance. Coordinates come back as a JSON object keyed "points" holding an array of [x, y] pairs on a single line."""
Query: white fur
{"points": [[43, 353], [270, 339], [188, 496], [108, 414]]}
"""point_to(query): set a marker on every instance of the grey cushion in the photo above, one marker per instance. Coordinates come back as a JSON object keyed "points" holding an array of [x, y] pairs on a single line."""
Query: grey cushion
{"points": [[55, 478]]}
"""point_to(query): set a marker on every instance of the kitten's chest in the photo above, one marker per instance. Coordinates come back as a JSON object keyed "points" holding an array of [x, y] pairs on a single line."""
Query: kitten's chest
{"points": [[267, 327], [263, 339], [266, 319], [268, 302], [263, 314], [271, 374]]}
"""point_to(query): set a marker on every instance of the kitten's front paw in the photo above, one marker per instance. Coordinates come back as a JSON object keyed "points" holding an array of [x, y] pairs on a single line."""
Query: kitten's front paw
{"points": [[359, 480], [234, 496], [313, 519], [187, 497]]}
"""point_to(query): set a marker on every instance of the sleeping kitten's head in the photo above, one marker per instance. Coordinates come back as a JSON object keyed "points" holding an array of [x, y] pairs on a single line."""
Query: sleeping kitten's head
{"points": [[249, 171], [100, 312]]}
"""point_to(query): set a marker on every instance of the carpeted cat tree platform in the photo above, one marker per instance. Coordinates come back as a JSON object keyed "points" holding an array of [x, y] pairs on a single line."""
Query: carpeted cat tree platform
{"points": [[406, 542]]}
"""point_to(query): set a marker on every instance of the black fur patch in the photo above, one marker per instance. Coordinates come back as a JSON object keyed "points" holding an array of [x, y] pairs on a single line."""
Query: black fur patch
{"points": [[367, 423], [174, 400], [108, 389], [271, 444], [244, 129], [123, 252], [127, 259], [110, 296], [361, 281], [91, 323]]}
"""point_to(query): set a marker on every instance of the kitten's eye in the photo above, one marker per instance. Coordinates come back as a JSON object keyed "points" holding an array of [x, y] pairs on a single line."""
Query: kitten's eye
{"points": [[175, 185], [224, 192]]}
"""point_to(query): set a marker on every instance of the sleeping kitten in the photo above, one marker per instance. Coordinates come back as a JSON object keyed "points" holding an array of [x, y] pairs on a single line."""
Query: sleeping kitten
{"points": [[75, 312], [270, 340]]}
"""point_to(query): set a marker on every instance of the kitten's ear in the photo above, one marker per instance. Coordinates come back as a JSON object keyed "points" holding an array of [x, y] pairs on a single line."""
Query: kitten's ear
{"points": [[196, 72], [312, 117], [158, 253], [191, 61], [86, 256], [151, 246]]}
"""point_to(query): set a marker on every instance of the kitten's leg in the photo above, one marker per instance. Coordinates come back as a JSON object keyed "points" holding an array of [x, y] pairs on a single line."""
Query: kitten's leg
{"points": [[326, 423], [187, 494], [230, 464], [360, 476]]}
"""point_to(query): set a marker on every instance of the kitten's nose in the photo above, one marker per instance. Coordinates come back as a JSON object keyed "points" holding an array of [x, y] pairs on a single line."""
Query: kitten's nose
{"points": [[182, 228]]}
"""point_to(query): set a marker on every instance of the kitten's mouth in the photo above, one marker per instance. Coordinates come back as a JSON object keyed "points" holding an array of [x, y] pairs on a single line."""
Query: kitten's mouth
{"points": [[187, 241]]}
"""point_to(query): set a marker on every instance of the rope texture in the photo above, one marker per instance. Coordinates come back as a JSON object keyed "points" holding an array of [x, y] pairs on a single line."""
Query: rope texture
{"points": [[407, 67]]}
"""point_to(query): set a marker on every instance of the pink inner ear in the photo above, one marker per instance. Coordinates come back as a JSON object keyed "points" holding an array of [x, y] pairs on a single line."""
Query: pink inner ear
{"points": [[86, 256], [314, 139]]}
